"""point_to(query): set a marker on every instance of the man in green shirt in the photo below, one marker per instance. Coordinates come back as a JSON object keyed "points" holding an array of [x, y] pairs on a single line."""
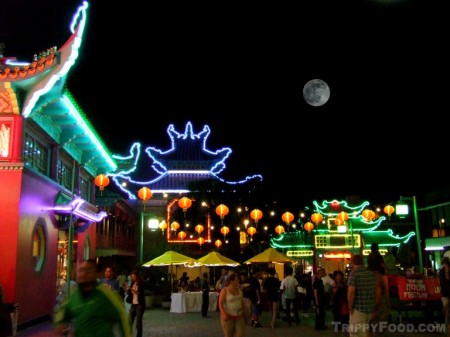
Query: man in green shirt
{"points": [[93, 309]]}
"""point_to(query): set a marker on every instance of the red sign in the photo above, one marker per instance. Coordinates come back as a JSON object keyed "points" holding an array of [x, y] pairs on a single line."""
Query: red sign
{"points": [[418, 289]]}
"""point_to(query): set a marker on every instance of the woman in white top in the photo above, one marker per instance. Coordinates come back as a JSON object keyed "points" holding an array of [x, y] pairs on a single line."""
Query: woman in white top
{"points": [[231, 306]]}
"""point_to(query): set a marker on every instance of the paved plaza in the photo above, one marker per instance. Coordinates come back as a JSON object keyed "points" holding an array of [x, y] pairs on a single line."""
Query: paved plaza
{"points": [[160, 322]]}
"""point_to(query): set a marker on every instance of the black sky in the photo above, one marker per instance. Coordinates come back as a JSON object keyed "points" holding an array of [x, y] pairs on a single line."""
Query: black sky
{"points": [[240, 68]]}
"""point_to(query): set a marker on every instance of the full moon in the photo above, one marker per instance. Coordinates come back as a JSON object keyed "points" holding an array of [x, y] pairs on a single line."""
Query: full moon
{"points": [[316, 92]]}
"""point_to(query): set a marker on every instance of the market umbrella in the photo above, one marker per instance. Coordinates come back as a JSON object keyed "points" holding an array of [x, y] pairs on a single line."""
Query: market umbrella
{"points": [[171, 258], [270, 255], [214, 259]]}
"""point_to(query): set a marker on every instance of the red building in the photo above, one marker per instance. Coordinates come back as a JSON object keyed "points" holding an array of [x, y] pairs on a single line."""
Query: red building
{"points": [[49, 157]]}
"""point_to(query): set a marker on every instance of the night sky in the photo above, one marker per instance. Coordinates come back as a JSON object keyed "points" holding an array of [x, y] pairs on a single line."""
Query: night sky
{"points": [[241, 70]]}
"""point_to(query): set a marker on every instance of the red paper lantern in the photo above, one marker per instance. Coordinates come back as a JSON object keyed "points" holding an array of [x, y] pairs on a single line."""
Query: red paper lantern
{"points": [[184, 203], [287, 217], [101, 181], [309, 226], [279, 229], [316, 218], [218, 243], [256, 215], [251, 231], [163, 225], [368, 214], [199, 229], [222, 210], [388, 209], [200, 241], [144, 193], [338, 222], [224, 230], [343, 216], [181, 235]]}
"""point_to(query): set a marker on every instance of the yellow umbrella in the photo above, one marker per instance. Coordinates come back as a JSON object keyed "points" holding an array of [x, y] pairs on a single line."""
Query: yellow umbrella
{"points": [[215, 259], [170, 258], [270, 255]]}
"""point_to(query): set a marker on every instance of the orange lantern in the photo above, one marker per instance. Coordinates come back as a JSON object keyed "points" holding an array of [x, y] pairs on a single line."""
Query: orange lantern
{"points": [[101, 181], [368, 214], [181, 235], [251, 231], [309, 226], [256, 215], [287, 217], [184, 203], [144, 193], [199, 229], [222, 210], [175, 225], [388, 209], [343, 216], [316, 218], [338, 222], [225, 230], [279, 229], [200, 241], [218, 243]]}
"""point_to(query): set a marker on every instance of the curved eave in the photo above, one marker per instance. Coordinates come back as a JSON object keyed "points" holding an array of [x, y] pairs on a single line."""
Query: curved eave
{"points": [[45, 81], [65, 122]]}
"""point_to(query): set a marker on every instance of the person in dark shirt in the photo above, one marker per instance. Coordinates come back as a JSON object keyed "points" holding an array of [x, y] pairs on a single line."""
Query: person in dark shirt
{"points": [[204, 285], [319, 298], [272, 287]]}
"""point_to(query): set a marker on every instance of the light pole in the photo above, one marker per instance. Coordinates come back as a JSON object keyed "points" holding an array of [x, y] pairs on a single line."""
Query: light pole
{"points": [[402, 210]]}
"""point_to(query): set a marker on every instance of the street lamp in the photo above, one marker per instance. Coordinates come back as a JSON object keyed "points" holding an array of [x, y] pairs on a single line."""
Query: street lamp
{"points": [[402, 210]]}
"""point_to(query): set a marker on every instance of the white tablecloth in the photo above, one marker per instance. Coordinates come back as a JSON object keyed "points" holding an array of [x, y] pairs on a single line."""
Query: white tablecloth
{"points": [[191, 302]]}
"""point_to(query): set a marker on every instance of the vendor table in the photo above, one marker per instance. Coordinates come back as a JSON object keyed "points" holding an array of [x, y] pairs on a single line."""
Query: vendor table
{"points": [[191, 302]]}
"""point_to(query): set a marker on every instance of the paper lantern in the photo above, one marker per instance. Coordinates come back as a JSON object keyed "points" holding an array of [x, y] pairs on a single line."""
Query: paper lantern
{"points": [[338, 222], [101, 181], [343, 216], [184, 203], [279, 229], [388, 209], [218, 243], [144, 193], [256, 215], [368, 214], [251, 231], [162, 225], [181, 235], [309, 226], [175, 225], [224, 230], [200, 241], [316, 218], [199, 229], [222, 210], [287, 217]]}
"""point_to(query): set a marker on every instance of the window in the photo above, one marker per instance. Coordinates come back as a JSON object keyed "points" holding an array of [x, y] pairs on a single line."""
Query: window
{"points": [[64, 176], [85, 188], [36, 155], [39, 247]]}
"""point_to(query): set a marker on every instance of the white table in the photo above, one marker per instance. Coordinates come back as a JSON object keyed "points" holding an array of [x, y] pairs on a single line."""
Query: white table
{"points": [[192, 302]]}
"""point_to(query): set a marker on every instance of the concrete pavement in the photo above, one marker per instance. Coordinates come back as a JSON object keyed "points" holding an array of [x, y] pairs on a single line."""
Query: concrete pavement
{"points": [[160, 322]]}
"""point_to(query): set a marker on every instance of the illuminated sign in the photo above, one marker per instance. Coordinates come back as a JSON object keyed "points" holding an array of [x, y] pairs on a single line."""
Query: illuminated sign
{"points": [[337, 255], [5, 140], [337, 241], [299, 253], [382, 251]]}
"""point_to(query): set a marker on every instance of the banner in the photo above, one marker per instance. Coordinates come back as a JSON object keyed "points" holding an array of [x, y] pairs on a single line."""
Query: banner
{"points": [[417, 289]]}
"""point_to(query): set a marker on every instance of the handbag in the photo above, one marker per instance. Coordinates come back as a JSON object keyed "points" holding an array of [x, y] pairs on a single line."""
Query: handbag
{"points": [[129, 299]]}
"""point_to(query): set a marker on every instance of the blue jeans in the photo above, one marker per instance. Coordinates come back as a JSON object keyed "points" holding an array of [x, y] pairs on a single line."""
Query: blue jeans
{"points": [[137, 312]]}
